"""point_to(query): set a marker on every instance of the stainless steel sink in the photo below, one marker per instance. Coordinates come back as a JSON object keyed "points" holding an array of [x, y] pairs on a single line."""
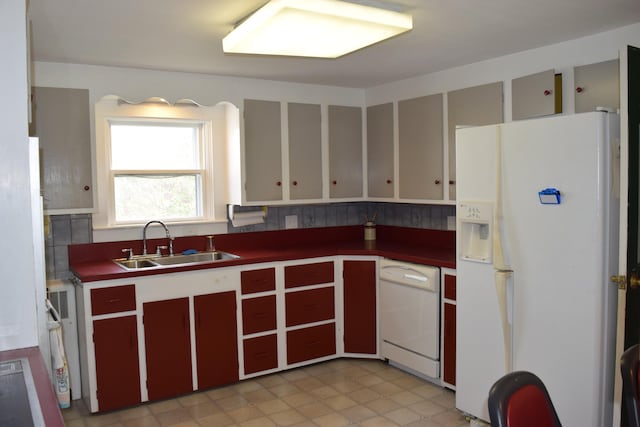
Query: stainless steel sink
{"points": [[135, 264], [198, 258], [176, 260]]}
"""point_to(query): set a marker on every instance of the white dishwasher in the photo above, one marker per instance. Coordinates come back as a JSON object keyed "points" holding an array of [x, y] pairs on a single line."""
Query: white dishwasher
{"points": [[410, 315]]}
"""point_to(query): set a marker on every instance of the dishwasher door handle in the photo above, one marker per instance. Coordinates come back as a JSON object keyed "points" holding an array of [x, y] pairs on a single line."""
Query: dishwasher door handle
{"points": [[418, 277], [403, 276]]}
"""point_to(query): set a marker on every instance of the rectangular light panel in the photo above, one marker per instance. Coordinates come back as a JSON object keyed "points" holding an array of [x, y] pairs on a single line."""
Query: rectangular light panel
{"points": [[314, 28]]}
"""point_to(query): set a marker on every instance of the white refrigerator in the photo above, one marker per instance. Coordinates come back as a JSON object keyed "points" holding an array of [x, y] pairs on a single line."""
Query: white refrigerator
{"points": [[537, 216]]}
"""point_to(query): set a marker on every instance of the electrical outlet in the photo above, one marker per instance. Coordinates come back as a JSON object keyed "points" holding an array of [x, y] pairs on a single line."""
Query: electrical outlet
{"points": [[291, 221]]}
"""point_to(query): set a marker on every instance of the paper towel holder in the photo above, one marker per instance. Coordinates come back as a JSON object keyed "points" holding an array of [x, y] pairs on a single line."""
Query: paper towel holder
{"points": [[240, 219]]}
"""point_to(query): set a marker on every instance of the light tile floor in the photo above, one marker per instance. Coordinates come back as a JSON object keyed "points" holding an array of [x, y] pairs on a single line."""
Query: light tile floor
{"points": [[330, 394]]}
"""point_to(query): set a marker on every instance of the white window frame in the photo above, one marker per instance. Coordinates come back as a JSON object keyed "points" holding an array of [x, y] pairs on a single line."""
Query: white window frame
{"points": [[215, 122], [205, 171]]}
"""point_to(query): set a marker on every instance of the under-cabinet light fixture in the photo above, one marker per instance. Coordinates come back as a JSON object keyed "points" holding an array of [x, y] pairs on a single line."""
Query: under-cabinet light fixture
{"points": [[314, 28]]}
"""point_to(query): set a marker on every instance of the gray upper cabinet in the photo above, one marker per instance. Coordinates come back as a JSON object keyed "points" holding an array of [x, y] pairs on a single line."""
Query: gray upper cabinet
{"points": [[61, 122], [380, 150], [535, 95], [597, 85], [262, 150], [420, 148], [305, 151], [474, 106], [345, 152]]}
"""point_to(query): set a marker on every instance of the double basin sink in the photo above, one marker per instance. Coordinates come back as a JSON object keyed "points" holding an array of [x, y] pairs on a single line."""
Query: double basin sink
{"points": [[139, 263]]}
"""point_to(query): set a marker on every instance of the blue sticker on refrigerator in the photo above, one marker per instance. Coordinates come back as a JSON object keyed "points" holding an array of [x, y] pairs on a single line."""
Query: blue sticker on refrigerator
{"points": [[549, 196]]}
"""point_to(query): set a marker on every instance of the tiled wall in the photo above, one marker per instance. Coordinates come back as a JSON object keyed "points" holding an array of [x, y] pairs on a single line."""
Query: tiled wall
{"points": [[68, 229], [336, 214], [63, 231]]}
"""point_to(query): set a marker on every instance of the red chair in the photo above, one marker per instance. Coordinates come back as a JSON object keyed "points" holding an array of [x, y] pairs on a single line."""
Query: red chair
{"points": [[520, 399], [630, 383]]}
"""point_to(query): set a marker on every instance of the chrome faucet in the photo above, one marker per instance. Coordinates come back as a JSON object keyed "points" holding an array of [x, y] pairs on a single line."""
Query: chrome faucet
{"points": [[144, 236]]}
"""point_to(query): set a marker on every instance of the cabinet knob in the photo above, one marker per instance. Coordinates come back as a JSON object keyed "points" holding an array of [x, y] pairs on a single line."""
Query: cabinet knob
{"points": [[334, 182], [278, 183], [547, 92], [436, 182], [579, 89], [87, 188], [388, 181], [452, 182], [295, 182]]}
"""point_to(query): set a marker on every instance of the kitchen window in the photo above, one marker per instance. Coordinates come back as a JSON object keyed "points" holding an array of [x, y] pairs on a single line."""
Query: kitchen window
{"points": [[157, 161], [157, 170]]}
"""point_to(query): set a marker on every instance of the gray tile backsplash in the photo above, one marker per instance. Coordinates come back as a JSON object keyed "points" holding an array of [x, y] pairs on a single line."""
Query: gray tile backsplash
{"points": [[337, 214], [69, 229], [64, 230]]}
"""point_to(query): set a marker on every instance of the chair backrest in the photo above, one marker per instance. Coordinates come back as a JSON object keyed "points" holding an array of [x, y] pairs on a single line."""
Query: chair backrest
{"points": [[630, 383], [520, 399]]}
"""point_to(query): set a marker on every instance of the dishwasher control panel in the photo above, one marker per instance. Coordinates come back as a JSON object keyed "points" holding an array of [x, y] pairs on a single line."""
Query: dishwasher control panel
{"points": [[409, 274]]}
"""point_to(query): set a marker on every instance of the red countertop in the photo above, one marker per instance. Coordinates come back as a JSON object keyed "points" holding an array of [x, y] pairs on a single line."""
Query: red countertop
{"points": [[48, 401], [92, 261]]}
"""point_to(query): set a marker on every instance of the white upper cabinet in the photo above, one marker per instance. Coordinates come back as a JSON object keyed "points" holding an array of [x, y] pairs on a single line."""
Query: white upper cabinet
{"points": [[285, 153], [305, 151], [380, 161], [61, 122], [473, 106], [597, 85], [262, 150], [536, 95], [345, 152], [420, 148]]}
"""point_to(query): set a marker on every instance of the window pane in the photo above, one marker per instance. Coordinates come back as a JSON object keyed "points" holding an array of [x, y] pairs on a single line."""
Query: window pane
{"points": [[154, 147], [156, 197]]}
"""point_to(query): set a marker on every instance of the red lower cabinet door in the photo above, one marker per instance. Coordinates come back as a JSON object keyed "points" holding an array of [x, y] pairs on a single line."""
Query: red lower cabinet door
{"points": [[216, 339], [360, 307], [168, 348], [311, 343], [117, 364], [260, 353], [449, 343]]}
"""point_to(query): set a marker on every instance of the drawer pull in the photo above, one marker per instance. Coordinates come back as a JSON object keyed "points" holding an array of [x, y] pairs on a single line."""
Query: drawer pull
{"points": [[114, 300]]}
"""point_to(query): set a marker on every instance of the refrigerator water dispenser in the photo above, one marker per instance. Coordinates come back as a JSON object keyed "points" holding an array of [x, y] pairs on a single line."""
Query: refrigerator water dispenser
{"points": [[475, 228]]}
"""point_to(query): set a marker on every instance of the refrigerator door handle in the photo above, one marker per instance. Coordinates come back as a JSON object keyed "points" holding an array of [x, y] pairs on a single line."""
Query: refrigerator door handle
{"points": [[505, 304], [498, 251]]}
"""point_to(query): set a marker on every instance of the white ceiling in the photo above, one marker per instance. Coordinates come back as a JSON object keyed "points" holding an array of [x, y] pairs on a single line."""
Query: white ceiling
{"points": [[186, 35]]}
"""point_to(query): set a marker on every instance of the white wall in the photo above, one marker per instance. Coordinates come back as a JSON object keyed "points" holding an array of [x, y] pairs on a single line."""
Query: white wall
{"points": [[18, 319], [561, 57], [137, 85]]}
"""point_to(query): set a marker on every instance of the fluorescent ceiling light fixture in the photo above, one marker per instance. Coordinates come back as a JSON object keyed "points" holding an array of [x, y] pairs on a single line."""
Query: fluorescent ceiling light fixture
{"points": [[314, 28]]}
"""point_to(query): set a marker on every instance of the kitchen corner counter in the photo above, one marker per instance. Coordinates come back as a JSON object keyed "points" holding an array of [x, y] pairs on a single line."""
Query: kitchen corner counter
{"points": [[92, 262], [46, 395]]}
